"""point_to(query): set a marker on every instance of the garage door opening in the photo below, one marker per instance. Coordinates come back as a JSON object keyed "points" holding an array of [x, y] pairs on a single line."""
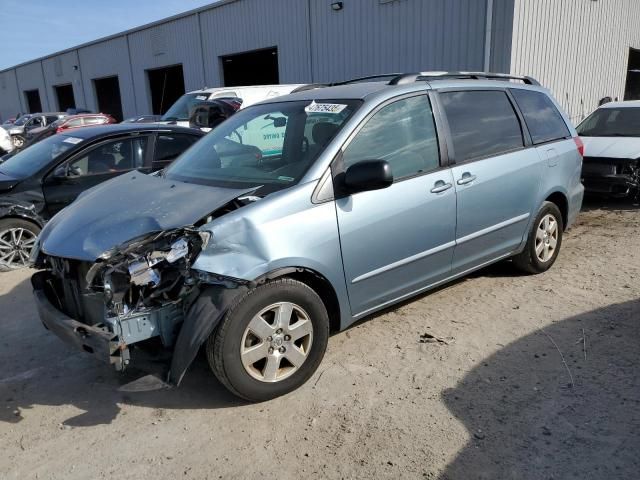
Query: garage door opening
{"points": [[166, 86], [33, 100], [64, 94], [258, 67], [632, 90], [108, 96]]}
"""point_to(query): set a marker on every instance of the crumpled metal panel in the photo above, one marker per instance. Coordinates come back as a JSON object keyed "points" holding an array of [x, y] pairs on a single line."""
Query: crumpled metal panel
{"points": [[284, 229], [125, 208]]}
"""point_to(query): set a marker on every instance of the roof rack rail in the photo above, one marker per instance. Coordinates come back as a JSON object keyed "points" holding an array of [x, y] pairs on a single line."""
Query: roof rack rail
{"points": [[369, 77], [414, 77]]}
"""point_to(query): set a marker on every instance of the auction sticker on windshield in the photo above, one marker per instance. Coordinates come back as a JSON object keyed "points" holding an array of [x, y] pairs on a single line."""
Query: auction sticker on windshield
{"points": [[324, 107]]}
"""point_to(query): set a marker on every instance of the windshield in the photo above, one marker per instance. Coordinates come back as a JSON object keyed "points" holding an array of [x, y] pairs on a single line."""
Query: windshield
{"points": [[270, 145], [180, 110], [37, 156], [611, 122]]}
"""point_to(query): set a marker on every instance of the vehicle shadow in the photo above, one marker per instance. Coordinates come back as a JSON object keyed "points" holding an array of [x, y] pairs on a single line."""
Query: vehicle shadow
{"points": [[604, 203], [531, 416], [38, 369]]}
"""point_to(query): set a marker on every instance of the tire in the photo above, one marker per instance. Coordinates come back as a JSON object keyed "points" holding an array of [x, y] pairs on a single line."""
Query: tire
{"points": [[257, 381], [12, 229], [535, 261], [18, 141]]}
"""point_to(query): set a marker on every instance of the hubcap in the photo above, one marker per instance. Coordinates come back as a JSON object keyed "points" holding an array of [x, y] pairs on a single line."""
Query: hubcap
{"points": [[15, 247], [276, 342], [546, 238]]}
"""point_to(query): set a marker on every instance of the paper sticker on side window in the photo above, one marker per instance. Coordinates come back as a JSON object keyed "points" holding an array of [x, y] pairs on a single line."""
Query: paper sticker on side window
{"points": [[314, 107], [201, 97], [73, 140]]}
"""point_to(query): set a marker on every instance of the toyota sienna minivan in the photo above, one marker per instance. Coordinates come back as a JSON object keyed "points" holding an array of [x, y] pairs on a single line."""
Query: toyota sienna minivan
{"points": [[256, 246]]}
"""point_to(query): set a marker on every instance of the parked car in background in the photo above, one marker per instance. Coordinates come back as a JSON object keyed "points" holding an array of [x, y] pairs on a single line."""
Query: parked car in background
{"points": [[41, 180], [182, 108], [365, 195], [67, 123], [6, 143], [26, 123], [142, 119], [611, 136]]}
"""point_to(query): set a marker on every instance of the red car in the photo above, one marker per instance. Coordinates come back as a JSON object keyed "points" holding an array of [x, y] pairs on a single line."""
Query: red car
{"points": [[84, 120]]}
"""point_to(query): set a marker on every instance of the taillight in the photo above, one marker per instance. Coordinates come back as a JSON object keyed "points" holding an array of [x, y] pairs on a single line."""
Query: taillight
{"points": [[59, 129], [580, 145]]}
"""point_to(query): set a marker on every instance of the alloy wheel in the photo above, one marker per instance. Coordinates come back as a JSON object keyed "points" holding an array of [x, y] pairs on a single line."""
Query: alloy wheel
{"points": [[546, 238], [276, 342], [15, 247]]}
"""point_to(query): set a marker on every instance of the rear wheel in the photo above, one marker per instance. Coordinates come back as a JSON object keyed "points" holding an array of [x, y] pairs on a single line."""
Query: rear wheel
{"points": [[543, 242], [271, 341], [17, 239]]}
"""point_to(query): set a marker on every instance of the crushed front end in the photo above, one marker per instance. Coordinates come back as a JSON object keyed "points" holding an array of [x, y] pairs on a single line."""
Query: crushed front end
{"points": [[133, 295], [617, 177]]}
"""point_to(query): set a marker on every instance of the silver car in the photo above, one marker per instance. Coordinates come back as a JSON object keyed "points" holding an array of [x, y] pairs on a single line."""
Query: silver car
{"points": [[300, 215]]}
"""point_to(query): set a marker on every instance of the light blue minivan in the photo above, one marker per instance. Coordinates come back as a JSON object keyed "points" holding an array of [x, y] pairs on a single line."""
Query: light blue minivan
{"points": [[370, 192]]}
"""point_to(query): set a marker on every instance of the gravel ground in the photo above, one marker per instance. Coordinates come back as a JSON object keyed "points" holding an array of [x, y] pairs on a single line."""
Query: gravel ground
{"points": [[534, 377]]}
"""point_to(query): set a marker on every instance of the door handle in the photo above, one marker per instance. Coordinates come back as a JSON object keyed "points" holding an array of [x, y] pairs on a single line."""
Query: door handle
{"points": [[440, 187], [466, 178]]}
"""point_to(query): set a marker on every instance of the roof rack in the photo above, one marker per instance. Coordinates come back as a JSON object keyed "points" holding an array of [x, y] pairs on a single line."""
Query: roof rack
{"points": [[426, 76], [367, 78]]}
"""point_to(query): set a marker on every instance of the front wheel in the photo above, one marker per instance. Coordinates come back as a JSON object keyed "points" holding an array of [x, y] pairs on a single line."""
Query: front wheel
{"points": [[543, 242], [271, 341], [17, 239], [18, 141]]}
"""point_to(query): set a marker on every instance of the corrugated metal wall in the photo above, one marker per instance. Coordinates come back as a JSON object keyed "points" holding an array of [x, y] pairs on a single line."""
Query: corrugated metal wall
{"points": [[63, 70], [172, 43], [373, 36], [107, 59], [577, 48], [253, 24], [315, 44]]}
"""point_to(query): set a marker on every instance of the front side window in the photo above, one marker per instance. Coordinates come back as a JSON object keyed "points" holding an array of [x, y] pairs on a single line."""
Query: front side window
{"points": [[611, 122], [543, 120], [114, 156], [402, 133], [482, 123], [269, 146]]}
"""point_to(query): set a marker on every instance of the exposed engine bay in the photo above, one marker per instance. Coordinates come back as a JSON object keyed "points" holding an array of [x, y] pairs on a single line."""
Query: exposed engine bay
{"points": [[138, 291]]}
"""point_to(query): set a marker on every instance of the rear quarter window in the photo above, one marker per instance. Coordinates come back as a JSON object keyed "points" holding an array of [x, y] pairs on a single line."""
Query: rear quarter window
{"points": [[543, 120], [482, 123]]}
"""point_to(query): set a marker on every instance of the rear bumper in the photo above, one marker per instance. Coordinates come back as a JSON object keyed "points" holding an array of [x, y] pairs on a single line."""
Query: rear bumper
{"points": [[98, 342]]}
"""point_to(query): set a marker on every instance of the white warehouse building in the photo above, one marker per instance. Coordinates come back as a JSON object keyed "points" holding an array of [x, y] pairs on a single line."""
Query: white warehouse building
{"points": [[583, 50]]}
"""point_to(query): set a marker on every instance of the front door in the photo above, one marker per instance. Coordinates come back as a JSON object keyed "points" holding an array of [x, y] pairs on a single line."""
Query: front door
{"points": [[400, 239], [91, 167]]}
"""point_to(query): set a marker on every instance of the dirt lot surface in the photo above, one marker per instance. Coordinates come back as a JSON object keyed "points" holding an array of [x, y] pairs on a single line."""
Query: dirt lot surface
{"points": [[536, 377]]}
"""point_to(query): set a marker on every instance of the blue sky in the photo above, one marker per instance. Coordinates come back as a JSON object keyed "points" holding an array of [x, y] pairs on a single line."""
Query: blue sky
{"points": [[34, 28]]}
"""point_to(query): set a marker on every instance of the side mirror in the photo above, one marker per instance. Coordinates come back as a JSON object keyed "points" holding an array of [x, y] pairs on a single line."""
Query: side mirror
{"points": [[60, 172], [368, 175]]}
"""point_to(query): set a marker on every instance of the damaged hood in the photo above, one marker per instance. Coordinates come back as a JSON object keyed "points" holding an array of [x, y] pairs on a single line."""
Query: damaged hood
{"points": [[612, 147], [127, 207]]}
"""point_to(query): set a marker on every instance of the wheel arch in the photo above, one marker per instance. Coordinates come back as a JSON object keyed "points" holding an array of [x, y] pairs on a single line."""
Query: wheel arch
{"points": [[318, 283], [560, 200]]}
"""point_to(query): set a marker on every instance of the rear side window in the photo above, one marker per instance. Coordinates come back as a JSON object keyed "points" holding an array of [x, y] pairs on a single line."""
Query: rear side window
{"points": [[541, 116], [170, 146], [482, 123], [402, 133]]}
